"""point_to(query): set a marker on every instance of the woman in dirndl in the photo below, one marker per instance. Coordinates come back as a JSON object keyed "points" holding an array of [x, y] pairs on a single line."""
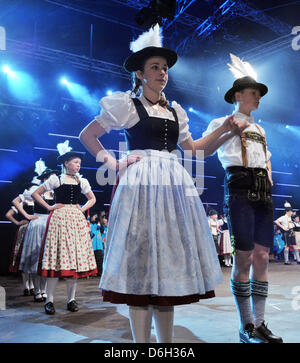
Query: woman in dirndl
{"points": [[159, 250], [66, 250], [23, 205], [34, 236]]}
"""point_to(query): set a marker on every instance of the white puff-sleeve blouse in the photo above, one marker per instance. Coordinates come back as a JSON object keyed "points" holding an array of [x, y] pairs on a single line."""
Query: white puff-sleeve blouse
{"points": [[118, 112], [53, 183]]}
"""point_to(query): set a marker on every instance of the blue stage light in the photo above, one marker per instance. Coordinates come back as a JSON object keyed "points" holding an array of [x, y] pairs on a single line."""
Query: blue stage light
{"points": [[64, 80], [109, 92], [191, 109], [6, 69]]}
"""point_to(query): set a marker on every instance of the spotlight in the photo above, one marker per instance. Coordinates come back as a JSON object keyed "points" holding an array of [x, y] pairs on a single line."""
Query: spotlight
{"points": [[286, 126], [64, 81], [109, 92], [8, 71], [191, 109]]}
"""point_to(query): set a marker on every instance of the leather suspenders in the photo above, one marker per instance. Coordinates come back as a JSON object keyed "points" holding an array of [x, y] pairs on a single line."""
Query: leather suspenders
{"points": [[254, 136]]}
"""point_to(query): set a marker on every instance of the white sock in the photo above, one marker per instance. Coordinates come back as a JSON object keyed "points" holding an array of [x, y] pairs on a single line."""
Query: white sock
{"points": [[43, 284], [51, 285], [296, 254], [37, 284], [140, 323], [164, 321], [72, 285], [286, 256], [25, 278], [31, 285]]}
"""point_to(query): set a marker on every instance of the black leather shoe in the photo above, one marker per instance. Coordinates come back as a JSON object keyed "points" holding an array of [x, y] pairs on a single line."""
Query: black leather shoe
{"points": [[248, 335], [72, 306], [266, 333], [26, 292], [49, 308], [38, 298], [31, 292]]}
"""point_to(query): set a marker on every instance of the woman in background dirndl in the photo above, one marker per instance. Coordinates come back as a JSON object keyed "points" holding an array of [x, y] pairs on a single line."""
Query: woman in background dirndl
{"points": [[24, 205], [34, 236], [67, 249]]}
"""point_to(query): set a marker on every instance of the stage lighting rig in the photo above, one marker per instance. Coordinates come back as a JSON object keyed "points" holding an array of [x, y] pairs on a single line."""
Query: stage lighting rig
{"points": [[155, 12]]}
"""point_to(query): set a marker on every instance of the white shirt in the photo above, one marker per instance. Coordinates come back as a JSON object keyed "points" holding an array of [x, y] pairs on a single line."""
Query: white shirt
{"points": [[53, 183], [118, 112], [230, 153], [213, 225], [286, 221], [26, 196]]}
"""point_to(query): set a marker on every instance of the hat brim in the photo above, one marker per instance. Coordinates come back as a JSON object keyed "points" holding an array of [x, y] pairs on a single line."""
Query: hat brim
{"points": [[260, 86], [68, 156], [47, 173], [136, 60]]}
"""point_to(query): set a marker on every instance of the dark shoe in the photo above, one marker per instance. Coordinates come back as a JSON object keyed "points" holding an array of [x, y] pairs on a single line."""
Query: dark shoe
{"points": [[38, 298], [44, 296], [248, 335], [288, 263], [266, 333], [49, 308], [26, 292], [31, 292], [72, 306]]}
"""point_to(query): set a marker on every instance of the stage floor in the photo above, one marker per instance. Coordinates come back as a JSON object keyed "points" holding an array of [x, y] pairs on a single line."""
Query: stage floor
{"points": [[209, 321]]}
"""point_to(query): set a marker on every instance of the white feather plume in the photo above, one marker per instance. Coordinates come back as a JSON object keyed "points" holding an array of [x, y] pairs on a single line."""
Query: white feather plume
{"points": [[63, 147], [39, 167], [287, 204], [150, 38], [240, 68]]}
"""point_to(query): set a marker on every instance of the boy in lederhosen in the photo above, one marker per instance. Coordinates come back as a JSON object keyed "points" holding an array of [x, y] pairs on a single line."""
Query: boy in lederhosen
{"points": [[249, 208]]}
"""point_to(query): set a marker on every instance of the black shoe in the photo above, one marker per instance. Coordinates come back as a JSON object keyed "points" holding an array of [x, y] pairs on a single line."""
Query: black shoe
{"points": [[38, 299], [266, 333], [44, 296], [31, 292], [26, 292], [72, 306], [288, 263], [49, 308], [249, 335]]}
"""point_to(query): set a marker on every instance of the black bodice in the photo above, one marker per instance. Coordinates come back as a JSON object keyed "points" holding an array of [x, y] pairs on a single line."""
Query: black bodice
{"points": [[41, 210], [152, 132], [67, 194], [28, 208]]}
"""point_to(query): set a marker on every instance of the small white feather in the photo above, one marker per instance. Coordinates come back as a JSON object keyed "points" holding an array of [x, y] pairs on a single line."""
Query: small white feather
{"points": [[150, 38], [63, 147], [240, 68], [39, 167]]}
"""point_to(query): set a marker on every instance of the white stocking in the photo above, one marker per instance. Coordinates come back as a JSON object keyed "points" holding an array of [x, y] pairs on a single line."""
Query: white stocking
{"points": [[140, 323], [72, 285], [164, 321], [25, 278], [51, 285]]}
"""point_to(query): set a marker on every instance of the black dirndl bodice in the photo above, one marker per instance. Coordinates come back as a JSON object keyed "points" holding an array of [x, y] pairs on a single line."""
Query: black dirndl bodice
{"points": [[152, 132]]}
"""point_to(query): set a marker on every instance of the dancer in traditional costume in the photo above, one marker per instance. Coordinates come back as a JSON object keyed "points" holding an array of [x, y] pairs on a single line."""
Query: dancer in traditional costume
{"points": [[67, 250], [34, 236], [248, 203], [159, 251]]}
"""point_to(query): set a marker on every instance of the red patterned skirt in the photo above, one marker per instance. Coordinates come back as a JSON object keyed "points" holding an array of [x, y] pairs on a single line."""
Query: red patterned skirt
{"points": [[67, 249]]}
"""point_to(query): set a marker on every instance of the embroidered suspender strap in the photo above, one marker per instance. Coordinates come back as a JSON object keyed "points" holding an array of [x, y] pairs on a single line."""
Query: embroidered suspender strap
{"points": [[264, 145], [140, 108], [252, 136], [244, 149]]}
